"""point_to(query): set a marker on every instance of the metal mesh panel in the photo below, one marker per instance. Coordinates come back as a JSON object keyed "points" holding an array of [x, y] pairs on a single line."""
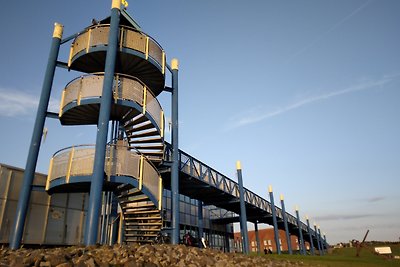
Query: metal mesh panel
{"points": [[129, 89], [79, 43], [154, 108], [155, 52], [99, 35], [150, 178], [92, 86], [82, 162], [60, 165], [134, 40]]}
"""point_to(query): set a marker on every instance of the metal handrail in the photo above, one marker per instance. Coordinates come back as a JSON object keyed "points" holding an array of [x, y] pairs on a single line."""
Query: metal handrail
{"points": [[135, 92], [120, 161], [88, 42]]}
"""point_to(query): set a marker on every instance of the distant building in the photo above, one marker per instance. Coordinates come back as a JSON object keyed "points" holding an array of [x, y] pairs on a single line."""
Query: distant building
{"points": [[267, 241]]}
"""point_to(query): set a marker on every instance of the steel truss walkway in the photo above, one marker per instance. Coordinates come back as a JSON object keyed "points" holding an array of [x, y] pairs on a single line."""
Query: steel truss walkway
{"points": [[199, 181]]}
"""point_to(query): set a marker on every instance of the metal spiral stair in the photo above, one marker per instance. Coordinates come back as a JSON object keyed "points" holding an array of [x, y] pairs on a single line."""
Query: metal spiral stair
{"points": [[142, 218], [139, 78]]}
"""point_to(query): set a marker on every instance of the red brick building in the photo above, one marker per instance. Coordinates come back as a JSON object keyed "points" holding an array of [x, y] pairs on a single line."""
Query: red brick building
{"points": [[267, 241]]}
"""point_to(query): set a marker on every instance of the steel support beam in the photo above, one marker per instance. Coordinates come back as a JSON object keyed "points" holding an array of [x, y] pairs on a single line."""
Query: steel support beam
{"points": [[257, 238], [200, 222], [243, 217], [285, 222], [321, 241], [317, 238], [274, 220], [29, 173], [311, 237], [301, 239], [96, 186], [175, 154]]}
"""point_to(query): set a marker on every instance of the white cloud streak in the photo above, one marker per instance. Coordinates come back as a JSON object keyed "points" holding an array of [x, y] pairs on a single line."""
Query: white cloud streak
{"points": [[17, 103], [257, 116]]}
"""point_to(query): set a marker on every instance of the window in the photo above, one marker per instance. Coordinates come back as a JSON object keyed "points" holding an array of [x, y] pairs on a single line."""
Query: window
{"points": [[269, 242], [265, 242], [252, 243]]}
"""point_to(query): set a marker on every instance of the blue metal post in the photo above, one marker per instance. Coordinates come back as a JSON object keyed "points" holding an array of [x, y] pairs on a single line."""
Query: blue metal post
{"points": [[301, 239], [96, 186], [285, 222], [257, 237], [311, 238], [243, 216], [317, 237], [274, 221], [321, 241], [200, 221], [326, 243], [175, 154], [29, 174]]}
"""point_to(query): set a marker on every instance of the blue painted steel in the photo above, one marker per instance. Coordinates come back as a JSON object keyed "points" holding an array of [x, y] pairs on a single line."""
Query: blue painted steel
{"points": [[318, 241], [311, 238], [25, 193], [288, 240], [200, 223], [321, 241], [275, 222], [96, 186], [301, 239], [257, 237], [243, 216], [175, 160]]}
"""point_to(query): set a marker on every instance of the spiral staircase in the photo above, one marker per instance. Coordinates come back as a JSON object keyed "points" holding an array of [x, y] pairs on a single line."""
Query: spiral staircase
{"points": [[131, 160]]}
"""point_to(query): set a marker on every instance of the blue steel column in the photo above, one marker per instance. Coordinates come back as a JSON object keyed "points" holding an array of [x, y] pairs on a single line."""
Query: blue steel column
{"points": [[317, 237], [257, 237], [311, 238], [326, 243], [321, 241], [200, 221], [96, 186], [243, 216], [288, 240], [175, 154], [274, 221], [301, 241], [29, 174]]}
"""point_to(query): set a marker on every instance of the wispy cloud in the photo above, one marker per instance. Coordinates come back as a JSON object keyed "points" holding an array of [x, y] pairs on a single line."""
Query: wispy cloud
{"points": [[334, 217], [375, 199], [258, 115], [16, 103]]}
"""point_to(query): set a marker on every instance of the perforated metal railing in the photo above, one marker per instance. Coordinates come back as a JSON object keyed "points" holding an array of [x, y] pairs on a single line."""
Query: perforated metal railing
{"points": [[79, 160], [97, 35], [201, 171], [125, 88]]}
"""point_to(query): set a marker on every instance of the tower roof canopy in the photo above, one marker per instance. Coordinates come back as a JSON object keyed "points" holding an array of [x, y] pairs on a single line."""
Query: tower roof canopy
{"points": [[125, 20]]}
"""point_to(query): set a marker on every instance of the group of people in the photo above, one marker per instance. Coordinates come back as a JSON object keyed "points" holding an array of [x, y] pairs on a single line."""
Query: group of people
{"points": [[267, 251]]}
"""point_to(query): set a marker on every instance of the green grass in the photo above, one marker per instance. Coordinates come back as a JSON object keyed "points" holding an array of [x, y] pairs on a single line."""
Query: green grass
{"points": [[345, 257]]}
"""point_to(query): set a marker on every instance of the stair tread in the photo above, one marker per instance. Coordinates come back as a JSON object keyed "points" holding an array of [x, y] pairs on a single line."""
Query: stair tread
{"points": [[146, 140], [147, 133]]}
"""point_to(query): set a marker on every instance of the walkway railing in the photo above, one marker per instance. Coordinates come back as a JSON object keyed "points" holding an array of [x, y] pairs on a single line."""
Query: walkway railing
{"points": [[203, 172]]}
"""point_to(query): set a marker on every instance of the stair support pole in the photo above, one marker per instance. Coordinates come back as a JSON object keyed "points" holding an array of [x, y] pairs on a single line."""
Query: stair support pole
{"points": [[310, 236], [29, 173], [274, 220], [301, 239], [96, 186], [243, 216], [285, 222], [175, 154]]}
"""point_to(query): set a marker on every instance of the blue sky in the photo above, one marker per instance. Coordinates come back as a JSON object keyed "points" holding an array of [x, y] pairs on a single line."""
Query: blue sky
{"points": [[305, 93]]}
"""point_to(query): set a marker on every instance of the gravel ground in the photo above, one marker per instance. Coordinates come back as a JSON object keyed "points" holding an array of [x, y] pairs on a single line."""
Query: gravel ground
{"points": [[132, 256]]}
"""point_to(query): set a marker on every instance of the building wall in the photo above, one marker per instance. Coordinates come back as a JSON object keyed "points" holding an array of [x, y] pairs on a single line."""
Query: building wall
{"points": [[267, 240]]}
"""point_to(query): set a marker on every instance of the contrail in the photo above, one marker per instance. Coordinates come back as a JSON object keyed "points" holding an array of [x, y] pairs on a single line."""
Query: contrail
{"points": [[251, 119], [336, 25]]}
